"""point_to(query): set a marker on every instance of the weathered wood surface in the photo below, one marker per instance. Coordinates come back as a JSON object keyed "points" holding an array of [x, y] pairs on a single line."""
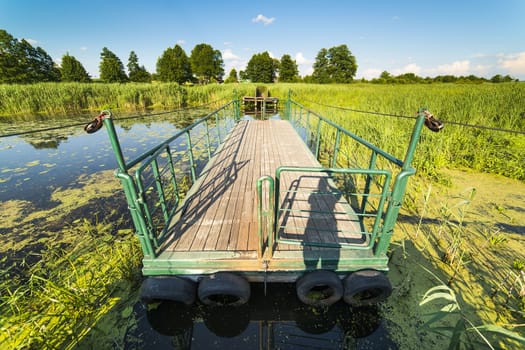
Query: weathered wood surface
{"points": [[221, 214]]}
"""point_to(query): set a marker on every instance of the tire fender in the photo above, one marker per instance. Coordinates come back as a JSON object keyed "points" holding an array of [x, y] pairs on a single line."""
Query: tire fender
{"points": [[366, 287], [168, 288], [223, 288], [319, 288]]}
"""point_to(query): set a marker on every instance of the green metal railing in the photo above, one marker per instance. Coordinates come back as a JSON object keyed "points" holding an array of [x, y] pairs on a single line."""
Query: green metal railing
{"points": [[162, 175], [371, 180], [350, 211], [374, 199]]}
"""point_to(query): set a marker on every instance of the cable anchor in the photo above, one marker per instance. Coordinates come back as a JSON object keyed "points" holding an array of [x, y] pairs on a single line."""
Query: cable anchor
{"points": [[96, 123]]}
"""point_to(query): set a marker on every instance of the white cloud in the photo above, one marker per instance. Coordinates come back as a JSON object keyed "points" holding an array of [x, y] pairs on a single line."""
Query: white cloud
{"points": [[304, 64], [515, 64], [263, 19], [460, 68], [181, 42], [409, 68], [83, 48], [229, 55], [455, 68], [300, 59]]}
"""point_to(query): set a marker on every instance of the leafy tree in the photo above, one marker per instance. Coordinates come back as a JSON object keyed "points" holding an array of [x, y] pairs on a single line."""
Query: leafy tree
{"points": [[111, 67], [72, 70], [498, 78], [232, 77], [261, 68], [137, 73], [20, 62], [243, 76], [9, 67], [206, 63], [174, 65], [288, 71], [335, 65], [385, 75]]}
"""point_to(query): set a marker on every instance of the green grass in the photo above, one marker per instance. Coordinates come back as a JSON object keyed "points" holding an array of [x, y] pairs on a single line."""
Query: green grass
{"points": [[55, 302]]}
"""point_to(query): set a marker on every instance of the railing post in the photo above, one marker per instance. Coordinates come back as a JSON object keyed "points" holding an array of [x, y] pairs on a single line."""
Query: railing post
{"points": [[371, 166], [336, 148], [218, 127], [268, 214], [318, 139], [160, 187], [115, 144], [208, 143], [398, 189], [136, 214], [190, 155]]}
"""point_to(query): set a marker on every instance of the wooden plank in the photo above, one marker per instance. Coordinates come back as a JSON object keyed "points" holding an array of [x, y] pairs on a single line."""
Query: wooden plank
{"points": [[222, 214]]}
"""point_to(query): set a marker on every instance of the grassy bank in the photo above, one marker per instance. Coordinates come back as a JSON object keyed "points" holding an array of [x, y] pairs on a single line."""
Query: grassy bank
{"points": [[60, 99]]}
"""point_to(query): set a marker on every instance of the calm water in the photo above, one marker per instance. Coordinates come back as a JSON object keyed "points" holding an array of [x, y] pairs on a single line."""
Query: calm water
{"points": [[33, 166]]}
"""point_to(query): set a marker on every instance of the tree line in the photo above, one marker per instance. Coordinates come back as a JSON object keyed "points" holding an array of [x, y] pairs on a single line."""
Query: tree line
{"points": [[411, 78], [21, 63]]}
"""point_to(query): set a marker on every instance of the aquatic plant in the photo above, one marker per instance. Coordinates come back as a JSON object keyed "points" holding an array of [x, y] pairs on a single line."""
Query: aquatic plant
{"points": [[451, 322], [55, 302]]}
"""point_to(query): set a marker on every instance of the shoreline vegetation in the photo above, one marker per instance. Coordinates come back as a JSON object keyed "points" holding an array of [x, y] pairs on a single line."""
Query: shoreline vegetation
{"points": [[480, 106], [457, 224]]}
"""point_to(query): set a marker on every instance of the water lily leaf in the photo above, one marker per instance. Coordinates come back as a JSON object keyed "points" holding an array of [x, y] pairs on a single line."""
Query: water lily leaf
{"points": [[33, 163]]}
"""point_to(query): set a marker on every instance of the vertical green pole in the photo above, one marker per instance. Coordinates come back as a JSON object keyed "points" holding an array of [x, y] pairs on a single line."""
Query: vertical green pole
{"points": [[190, 155], [136, 214], [208, 144], [160, 187], [218, 127], [173, 180], [308, 133], [366, 191], [115, 144], [288, 107], [336, 148], [267, 214], [318, 137], [398, 190]]}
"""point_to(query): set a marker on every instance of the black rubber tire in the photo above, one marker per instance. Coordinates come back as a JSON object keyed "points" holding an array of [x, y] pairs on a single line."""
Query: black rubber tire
{"points": [[223, 289], [366, 287], [319, 288], [168, 288]]}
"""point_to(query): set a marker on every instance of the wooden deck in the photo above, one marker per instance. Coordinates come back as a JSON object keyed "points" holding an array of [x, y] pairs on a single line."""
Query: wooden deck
{"points": [[219, 222]]}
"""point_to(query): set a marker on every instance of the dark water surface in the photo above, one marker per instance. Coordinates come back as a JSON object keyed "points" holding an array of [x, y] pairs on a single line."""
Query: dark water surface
{"points": [[277, 320], [33, 166]]}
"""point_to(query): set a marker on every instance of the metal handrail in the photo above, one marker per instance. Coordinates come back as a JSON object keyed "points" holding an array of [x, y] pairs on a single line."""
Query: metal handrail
{"points": [[370, 235], [383, 231], [153, 191]]}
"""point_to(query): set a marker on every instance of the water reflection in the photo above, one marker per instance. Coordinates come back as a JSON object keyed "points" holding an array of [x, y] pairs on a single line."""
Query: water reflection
{"points": [[35, 164], [275, 321]]}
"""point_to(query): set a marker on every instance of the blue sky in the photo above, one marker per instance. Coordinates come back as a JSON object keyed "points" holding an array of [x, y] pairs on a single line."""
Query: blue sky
{"points": [[429, 38]]}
